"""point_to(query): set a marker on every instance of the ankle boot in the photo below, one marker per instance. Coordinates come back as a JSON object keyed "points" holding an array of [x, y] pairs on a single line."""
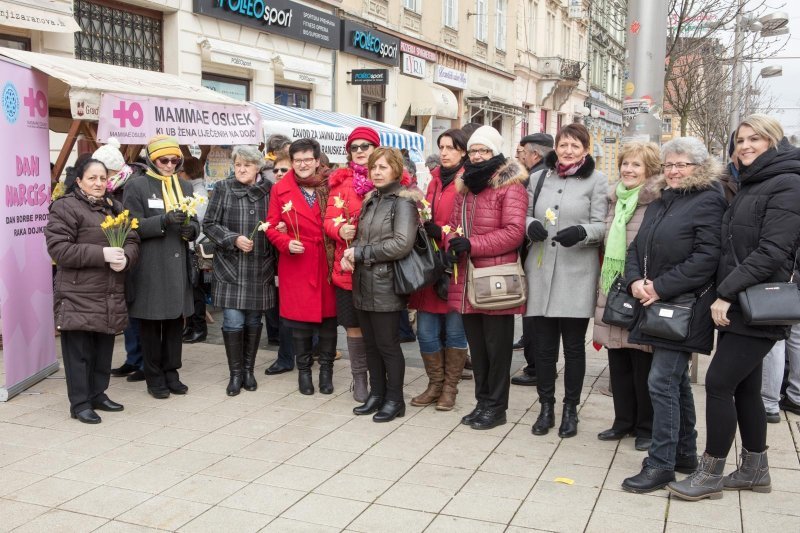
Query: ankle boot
{"points": [[705, 482], [434, 368], [234, 351], [569, 421], [546, 420], [372, 404], [453, 365], [389, 411], [752, 474], [358, 366], [301, 345], [252, 336], [326, 372]]}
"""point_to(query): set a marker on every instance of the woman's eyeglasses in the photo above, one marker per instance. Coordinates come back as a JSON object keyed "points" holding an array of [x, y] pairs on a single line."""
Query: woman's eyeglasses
{"points": [[677, 166], [360, 147], [169, 160], [482, 151]]}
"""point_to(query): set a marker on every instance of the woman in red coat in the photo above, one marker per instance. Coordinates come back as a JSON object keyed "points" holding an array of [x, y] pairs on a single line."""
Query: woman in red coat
{"points": [[495, 204], [348, 186], [307, 299], [444, 361]]}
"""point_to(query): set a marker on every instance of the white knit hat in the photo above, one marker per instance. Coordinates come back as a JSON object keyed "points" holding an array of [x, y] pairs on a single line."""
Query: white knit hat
{"points": [[110, 155], [489, 137]]}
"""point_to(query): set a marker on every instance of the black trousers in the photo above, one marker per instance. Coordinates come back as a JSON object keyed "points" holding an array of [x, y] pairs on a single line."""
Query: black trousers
{"points": [[628, 370], [87, 366], [527, 336], [733, 394], [303, 342], [385, 360], [162, 348], [198, 320], [491, 344], [547, 332]]}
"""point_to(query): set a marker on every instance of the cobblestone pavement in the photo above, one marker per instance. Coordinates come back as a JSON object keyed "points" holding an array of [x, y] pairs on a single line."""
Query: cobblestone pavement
{"points": [[274, 460]]}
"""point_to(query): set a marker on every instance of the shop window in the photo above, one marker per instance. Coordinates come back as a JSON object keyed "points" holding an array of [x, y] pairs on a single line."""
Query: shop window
{"points": [[289, 96], [373, 98], [129, 37], [14, 42], [543, 120], [236, 88], [450, 15]]}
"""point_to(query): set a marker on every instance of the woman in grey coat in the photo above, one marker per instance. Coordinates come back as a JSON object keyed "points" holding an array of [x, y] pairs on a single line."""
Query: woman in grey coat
{"points": [[161, 291], [244, 262], [566, 224]]}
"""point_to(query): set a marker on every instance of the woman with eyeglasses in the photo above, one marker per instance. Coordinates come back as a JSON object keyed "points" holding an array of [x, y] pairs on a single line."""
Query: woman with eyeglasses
{"points": [[348, 186], [444, 360], [676, 254], [161, 289], [566, 224], [760, 235]]}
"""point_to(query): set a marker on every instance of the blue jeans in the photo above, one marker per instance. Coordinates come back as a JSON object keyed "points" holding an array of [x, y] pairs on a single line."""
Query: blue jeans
{"points": [[673, 408], [133, 344], [429, 331], [236, 319]]}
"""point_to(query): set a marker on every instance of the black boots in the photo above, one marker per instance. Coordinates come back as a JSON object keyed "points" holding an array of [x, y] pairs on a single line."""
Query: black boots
{"points": [[389, 411], [372, 404], [648, 480], [488, 419], [234, 350], [252, 336], [569, 421], [326, 372], [304, 382], [546, 420]]}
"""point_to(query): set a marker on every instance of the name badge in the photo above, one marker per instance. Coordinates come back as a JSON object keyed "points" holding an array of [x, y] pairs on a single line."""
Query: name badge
{"points": [[155, 203]]}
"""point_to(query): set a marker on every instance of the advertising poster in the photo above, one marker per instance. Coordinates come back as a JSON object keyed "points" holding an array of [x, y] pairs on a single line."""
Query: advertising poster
{"points": [[26, 286]]}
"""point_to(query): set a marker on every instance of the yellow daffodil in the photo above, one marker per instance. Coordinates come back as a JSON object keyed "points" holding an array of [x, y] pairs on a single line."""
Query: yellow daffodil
{"points": [[460, 231], [338, 202], [550, 216], [338, 220], [287, 206], [446, 229], [135, 223]]}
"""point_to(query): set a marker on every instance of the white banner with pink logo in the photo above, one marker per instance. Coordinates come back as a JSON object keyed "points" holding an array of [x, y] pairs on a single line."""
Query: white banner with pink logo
{"points": [[26, 286], [135, 119]]}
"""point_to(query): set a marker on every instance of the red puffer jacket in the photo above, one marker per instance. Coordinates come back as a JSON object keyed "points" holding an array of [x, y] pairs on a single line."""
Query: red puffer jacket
{"points": [[495, 220], [341, 185], [442, 200]]}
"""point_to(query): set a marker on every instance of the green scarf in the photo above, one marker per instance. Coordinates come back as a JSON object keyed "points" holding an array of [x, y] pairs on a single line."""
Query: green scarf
{"points": [[617, 243]]}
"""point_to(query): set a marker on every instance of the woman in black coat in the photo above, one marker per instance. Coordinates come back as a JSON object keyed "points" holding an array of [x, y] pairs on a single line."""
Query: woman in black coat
{"points": [[676, 252], [760, 235]]}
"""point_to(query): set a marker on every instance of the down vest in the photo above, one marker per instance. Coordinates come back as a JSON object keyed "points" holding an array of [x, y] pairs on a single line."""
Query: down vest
{"points": [[494, 222], [680, 239], [386, 232], [341, 185], [615, 337], [762, 227], [89, 296]]}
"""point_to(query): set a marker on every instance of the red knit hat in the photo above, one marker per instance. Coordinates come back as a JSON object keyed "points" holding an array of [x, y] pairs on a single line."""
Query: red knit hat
{"points": [[363, 132]]}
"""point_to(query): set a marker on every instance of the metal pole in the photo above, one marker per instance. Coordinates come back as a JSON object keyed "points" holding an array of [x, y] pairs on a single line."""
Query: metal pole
{"points": [[736, 82], [644, 70]]}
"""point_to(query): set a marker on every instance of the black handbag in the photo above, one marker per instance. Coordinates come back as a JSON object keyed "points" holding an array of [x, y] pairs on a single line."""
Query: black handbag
{"points": [[771, 304], [670, 320], [420, 268], [620, 307], [192, 267]]}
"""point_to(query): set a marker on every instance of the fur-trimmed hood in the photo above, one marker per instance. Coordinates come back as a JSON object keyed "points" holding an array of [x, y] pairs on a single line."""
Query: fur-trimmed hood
{"points": [[509, 173], [585, 171], [402, 192], [339, 176], [647, 194], [705, 176]]}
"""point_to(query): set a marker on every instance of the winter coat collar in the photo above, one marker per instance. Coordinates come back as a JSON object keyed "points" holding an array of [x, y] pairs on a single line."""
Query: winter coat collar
{"points": [[396, 189], [647, 195], [784, 159], [584, 172], [509, 173], [705, 176], [254, 192]]}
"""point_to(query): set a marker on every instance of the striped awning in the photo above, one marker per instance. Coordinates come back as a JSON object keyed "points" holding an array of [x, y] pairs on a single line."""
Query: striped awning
{"points": [[332, 128]]}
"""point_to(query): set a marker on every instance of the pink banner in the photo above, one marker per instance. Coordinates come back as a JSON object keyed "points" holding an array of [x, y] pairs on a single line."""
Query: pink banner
{"points": [[135, 119], [26, 287]]}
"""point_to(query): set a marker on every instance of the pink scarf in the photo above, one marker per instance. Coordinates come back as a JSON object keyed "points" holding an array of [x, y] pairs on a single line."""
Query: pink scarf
{"points": [[566, 171], [361, 182]]}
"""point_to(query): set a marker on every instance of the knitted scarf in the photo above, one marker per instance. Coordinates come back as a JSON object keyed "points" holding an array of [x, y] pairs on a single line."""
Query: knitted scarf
{"points": [[361, 182], [447, 175], [566, 171], [170, 190], [319, 182], [477, 175], [616, 244]]}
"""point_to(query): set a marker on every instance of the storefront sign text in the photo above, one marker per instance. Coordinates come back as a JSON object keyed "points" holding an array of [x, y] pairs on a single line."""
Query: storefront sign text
{"points": [[369, 76], [451, 77], [418, 51], [414, 66], [369, 43]]}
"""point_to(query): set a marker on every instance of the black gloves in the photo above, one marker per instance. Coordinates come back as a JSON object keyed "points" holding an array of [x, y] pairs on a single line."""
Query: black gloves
{"points": [[187, 232], [433, 231], [175, 216], [570, 236], [459, 245], [536, 231]]}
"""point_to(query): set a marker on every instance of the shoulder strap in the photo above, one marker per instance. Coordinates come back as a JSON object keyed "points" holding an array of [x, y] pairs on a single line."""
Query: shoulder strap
{"points": [[542, 174]]}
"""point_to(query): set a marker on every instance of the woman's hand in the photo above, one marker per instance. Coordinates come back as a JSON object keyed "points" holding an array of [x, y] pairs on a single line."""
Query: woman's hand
{"points": [[347, 266], [119, 266], [350, 255], [296, 247], [347, 232], [281, 227], [719, 312], [113, 254], [636, 289], [244, 244], [650, 295]]}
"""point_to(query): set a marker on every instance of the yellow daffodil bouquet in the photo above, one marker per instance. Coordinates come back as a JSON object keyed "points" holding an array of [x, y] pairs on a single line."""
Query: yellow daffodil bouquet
{"points": [[460, 232], [189, 205], [425, 212], [549, 218], [116, 229]]}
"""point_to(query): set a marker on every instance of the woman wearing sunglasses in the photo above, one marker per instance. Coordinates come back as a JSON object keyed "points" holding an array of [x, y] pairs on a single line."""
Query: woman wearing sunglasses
{"points": [[162, 292], [348, 187]]}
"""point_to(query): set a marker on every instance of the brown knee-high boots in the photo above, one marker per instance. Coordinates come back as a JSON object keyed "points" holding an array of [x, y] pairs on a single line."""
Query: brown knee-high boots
{"points": [[434, 367], [454, 359]]}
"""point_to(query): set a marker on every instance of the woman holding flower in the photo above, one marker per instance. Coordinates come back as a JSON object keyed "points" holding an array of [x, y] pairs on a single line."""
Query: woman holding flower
{"points": [[348, 186], [628, 363], [89, 297], [244, 262], [566, 224]]}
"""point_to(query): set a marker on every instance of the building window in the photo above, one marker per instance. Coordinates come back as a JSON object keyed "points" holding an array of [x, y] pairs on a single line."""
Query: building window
{"points": [[14, 42], [530, 23], [373, 99], [543, 120], [525, 125], [450, 14], [482, 20], [130, 37], [289, 96], [413, 5], [666, 125], [236, 88], [565, 41], [500, 25], [550, 28]]}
